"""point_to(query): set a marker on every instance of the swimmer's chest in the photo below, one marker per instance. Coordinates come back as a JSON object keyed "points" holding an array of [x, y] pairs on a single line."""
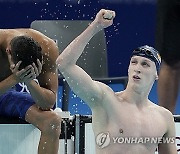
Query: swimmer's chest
{"points": [[131, 122]]}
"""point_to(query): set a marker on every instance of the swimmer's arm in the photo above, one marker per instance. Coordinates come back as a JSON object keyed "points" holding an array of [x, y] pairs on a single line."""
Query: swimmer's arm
{"points": [[82, 85], [169, 148], [44, 94], [13, 79], [80, 82], [7, 84]]}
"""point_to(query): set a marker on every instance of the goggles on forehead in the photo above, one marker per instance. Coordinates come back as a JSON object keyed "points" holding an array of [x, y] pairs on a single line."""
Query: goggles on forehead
{"points": [[150, 53]]}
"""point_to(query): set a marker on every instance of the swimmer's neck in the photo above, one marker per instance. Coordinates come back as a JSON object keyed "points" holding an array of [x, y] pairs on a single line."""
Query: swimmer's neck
{"points": [[135, 96]]}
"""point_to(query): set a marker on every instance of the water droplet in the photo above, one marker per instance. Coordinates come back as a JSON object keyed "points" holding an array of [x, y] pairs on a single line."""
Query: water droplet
{"points": [[53, 126]]}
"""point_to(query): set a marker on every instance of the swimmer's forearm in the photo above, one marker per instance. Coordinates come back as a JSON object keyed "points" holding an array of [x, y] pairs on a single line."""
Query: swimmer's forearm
{"points": [[43, 97], [8, 83], [74, 50]]}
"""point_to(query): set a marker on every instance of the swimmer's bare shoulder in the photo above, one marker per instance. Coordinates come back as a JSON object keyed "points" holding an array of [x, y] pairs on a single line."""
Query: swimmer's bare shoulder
{"points": [[38, 36], [108, 96], [36, 33], [106, 90], [163, 111], [166, 115]]}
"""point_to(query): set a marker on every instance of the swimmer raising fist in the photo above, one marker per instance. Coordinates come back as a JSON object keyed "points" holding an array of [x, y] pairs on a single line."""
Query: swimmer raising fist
{"points": [[104, 18]]}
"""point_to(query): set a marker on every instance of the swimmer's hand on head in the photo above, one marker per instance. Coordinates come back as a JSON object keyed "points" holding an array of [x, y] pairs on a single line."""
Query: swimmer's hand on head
{"points": [[104, 18], [37, 69], [26, 74]]}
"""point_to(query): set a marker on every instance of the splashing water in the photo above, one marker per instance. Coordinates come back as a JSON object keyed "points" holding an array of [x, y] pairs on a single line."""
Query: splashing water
{"points": [[53, 126]]}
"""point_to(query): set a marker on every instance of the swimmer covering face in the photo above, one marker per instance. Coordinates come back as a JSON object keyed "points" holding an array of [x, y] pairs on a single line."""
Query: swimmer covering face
{"points": [[34, 107], [25, 49]]}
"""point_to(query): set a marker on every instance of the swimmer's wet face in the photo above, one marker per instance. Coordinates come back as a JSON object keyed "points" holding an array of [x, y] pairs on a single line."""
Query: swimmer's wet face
{"points": [[25, 49], [142, 71]]}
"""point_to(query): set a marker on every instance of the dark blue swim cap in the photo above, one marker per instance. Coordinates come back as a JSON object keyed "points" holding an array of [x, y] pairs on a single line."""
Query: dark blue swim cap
{"points": [[150, 53]]}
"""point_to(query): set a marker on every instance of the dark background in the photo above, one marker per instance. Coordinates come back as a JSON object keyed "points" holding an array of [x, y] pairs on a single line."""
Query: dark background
{"points": [[134, 24]]}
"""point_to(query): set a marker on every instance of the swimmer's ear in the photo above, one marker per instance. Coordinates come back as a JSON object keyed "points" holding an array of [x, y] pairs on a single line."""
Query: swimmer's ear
{"points": [[8, 51]]}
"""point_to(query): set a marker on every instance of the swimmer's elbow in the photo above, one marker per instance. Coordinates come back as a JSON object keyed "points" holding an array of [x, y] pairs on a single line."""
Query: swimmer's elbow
{"points": [[48, 103], [61, 63]]}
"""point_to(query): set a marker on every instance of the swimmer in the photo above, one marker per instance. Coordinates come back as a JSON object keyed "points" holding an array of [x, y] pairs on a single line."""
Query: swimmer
{"points": [[25, 55], [123, 114]]}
